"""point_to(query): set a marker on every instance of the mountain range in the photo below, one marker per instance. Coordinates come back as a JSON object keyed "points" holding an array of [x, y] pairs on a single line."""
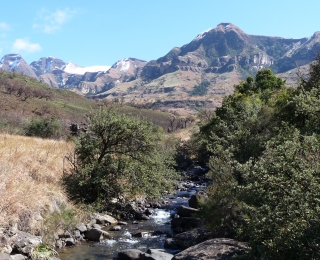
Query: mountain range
{"points": [[221, 56]]}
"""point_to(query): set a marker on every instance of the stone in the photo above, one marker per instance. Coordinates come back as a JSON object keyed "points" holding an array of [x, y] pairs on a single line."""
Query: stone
{"points": [[24, 242], [195, 198], [142, 234], [115, 228], [5, 256], [157, 254], [215, 249], [184, 211], [192, 237], [93, 234], [170, 243], [130, 254], [141, 216], [97, 226], [104, 218], [81, 227], [122, 223], [70, 241], [18, 257], [186, 222]]}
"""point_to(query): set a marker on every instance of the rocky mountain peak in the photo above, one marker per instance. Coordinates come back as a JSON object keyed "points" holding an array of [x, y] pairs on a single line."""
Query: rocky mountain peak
{"points": [[47, 65], [14, 62], [228, 27]]}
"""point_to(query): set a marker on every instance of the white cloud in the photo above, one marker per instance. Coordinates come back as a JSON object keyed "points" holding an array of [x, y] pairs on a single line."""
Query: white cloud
{"points": [[24, 45], [51, 22], [4, 26]]}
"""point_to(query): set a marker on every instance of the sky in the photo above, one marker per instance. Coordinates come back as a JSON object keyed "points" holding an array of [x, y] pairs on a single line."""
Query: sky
{"points": [[101, 32]]}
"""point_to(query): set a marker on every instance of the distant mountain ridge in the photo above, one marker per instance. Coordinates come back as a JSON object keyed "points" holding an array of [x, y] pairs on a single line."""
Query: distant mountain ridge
{"points": [[222, 56]]}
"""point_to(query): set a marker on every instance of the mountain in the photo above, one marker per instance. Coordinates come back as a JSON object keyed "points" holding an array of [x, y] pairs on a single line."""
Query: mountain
{"points": [[14, 62], [221, 56], [218, 58]]}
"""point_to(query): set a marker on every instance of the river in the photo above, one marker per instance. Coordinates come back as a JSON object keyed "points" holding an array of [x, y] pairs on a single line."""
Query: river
{"points": [[123, 239]]}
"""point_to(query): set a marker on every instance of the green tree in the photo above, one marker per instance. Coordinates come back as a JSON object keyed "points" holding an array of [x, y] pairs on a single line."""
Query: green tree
{"points": [[118, 158]]}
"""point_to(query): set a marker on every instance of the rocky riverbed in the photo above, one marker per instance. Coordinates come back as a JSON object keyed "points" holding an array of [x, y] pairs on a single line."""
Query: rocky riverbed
{"points": [[166, 229]]}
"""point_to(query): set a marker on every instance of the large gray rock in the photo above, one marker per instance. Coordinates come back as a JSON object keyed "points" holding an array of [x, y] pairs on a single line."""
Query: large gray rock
{"points": [[81, 227], [195, 198], [130, 254], [24, 243], [157, 254], [184, 211], [18, 257], [4, 256], [105, 219], [214, 249], [192, 237]]}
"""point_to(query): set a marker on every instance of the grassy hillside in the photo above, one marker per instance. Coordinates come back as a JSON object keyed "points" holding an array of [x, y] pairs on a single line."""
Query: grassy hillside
{"points": [[30, 187], [23, 98]]}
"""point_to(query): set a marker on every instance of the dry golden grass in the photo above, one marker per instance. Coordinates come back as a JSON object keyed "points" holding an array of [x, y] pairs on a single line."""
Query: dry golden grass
{"points": [[30, 174]]}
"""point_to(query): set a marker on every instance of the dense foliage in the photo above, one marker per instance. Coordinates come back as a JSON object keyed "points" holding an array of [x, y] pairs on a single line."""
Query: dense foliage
{"points": [[262, 147], [47, 127], [201, 89], [118, 158]]}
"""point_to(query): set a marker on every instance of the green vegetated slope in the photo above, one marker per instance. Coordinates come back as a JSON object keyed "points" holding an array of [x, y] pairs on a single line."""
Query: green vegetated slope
{"points": [[23, 98]]}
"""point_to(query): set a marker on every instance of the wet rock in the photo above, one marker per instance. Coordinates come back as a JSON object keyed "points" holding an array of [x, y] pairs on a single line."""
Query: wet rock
{"points": [[170, 243], [115, 228], [192, 237], [142, 234], [195, 198], [81, 227], [60, 244], [218, 248], [148, 212], [141, 216], [135, 222], [93, 234], [5, 256], [130, 254], [180, 225], [184, 211], [24, 243], [70, 241], [122, 223], [157, 254]]}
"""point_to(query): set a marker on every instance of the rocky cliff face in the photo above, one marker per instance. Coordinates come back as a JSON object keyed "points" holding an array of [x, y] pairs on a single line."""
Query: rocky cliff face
{"points": [[47, 65], [227, 48]]}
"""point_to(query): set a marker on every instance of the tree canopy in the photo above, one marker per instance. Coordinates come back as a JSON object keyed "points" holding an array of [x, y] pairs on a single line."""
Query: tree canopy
{"points": [[262, 148], [118, 158]]}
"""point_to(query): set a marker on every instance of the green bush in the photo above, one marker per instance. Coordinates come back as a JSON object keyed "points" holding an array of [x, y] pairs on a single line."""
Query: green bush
{"points": [[43, 127]]}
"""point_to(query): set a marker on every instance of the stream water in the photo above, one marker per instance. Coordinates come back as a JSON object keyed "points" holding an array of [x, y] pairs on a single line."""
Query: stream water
{"points": [[123, 239]]}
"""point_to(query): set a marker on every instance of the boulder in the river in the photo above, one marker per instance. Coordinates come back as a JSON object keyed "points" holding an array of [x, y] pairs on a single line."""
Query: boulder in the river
{"points": [[141, 216], [130, 254], [157, 254], [195, 198], [115, 228], [70, 241], [183, 224], [81, 227], [216, 249], [96, 234], [24, 243], [170, 243], [192, 237], [122, 223], [142, 234], [184, 211], [104, 219]]}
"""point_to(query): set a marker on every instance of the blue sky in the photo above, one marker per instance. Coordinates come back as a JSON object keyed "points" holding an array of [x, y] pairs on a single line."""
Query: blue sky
{"points": [[101, 32]]}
